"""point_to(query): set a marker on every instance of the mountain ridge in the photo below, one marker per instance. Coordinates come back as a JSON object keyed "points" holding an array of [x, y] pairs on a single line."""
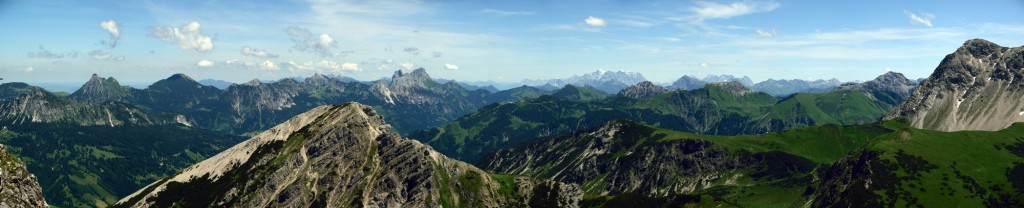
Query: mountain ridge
{"points": [[977, 87], [315, 142]]}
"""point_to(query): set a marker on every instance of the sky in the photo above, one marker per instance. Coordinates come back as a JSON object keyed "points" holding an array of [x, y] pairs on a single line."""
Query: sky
{"points": [[503, 41]]}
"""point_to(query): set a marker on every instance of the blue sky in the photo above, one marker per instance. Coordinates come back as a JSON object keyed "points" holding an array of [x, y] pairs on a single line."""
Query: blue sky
{"points": [[505, 41]]}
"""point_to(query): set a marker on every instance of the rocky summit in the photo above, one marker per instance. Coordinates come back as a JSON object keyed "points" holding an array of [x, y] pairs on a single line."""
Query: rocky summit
{"points": [[99, 90], [891, 88], [643, 89], [977, 87], [18, 187], [343, 156]]}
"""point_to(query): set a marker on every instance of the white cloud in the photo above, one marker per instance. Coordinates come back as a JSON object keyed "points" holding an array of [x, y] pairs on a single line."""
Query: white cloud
{"points": [[713, 10], [350, 67], [305, 41], [451, 66], [923, 18], [407, 66], [323, 66], [115, 33], [767, 34], [269, 65], [412, 50], [29, 69], [246, 50], [326, 40], [43, 53], [634, 23], [204, 63], [100, 55], [596, 22], [497, 12], [188, 37], [703, 64], [887, 69]]}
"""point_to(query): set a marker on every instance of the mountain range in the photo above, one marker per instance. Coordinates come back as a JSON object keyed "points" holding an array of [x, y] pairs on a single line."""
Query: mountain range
{"points": [[606, 81], [722, 108], [340, 156], [951, 140]]}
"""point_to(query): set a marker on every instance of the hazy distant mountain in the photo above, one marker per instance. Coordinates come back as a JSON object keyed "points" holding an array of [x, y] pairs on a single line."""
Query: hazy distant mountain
{"points": [[219, 84], [687, 83], [471, 87], [518, 93], [728, 78], [977, 87], [339, 156], [783, 87], [607, 81]]}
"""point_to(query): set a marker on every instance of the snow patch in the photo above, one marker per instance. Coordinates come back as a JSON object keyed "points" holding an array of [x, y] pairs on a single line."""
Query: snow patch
{"points": [[1021, 113]]}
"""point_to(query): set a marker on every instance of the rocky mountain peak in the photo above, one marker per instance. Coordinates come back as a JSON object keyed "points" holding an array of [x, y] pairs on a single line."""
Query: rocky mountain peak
{"points": [[179, 76], [177, 82], [418, 74], [98, 90], [643, 89], [979, 47], [253, 82], [339, 156], [977, 87]]}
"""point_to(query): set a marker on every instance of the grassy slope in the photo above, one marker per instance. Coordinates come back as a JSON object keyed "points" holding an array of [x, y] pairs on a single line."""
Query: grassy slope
{"points": [[95, 166], [966, 163], [972, 168]]}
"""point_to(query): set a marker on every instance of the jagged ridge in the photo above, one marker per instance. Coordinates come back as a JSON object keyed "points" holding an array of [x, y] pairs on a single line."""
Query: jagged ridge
{"points": [[338, 156]]}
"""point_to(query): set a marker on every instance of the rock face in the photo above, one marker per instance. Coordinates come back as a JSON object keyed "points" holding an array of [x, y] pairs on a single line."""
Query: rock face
{"points": [[643, 89], [18, 187], [626, 157], [35, 105], [891, 88], [343, 156], [413, 99], [99, 90], [978, 87]]}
